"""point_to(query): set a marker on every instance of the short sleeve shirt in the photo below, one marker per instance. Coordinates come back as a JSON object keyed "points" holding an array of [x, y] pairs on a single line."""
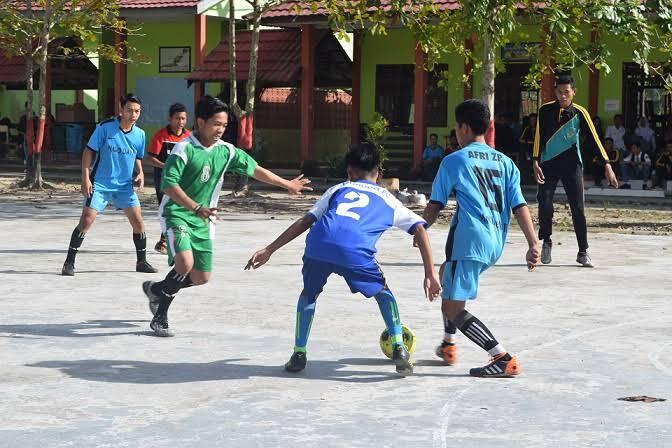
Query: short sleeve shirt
{"points": [[350, 218], [486, 184], [116, 151]]}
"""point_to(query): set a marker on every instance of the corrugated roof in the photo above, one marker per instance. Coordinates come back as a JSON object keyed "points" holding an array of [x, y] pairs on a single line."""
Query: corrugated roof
{"points": [[150, 4], [296, 9], [132, 4], [279, 58]]}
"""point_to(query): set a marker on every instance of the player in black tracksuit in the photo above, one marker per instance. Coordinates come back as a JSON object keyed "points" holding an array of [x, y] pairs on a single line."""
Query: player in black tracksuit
{"points": [[557, 157]]}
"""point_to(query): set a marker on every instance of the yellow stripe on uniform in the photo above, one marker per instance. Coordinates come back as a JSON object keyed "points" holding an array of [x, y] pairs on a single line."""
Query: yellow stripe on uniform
{"points": [[591, 126], [537, 138]]}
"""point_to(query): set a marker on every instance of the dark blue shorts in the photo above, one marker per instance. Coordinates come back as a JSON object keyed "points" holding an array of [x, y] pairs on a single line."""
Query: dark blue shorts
{"points": [[369, 279]]}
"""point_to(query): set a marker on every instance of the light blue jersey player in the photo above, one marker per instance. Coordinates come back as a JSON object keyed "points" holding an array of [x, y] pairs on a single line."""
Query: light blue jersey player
{"points": [[114, 150], [486, 186], [345, 225]]}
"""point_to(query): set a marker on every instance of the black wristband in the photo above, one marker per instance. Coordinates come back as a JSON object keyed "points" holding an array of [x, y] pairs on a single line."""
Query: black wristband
{"points": [[197, 208]]}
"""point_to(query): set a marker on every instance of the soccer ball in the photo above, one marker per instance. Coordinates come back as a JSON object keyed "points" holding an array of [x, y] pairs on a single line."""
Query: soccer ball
{"points": [[407, 335]]}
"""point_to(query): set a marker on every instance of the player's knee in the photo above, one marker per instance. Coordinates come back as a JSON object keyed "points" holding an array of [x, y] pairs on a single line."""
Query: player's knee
{"points": [[451, 309]]}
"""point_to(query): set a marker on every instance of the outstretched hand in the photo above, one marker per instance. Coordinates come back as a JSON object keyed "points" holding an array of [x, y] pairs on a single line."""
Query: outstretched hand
{"points": [[298, 185], [259, 259]]}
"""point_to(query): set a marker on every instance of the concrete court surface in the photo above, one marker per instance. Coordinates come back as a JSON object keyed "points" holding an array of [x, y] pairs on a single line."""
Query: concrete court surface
{"points": [[79, 367]]}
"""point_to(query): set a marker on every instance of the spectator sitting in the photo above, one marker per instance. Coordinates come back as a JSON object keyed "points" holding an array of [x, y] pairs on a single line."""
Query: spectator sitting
{"points": [[598, 163], [664, 166], [617, 134], [431, 158], [646, 135], [453, 145], [636, 165], [433, 150]]}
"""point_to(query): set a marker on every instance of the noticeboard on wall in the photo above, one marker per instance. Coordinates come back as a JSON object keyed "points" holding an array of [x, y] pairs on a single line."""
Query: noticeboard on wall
{"points": [[520, 51], [174, 59]]}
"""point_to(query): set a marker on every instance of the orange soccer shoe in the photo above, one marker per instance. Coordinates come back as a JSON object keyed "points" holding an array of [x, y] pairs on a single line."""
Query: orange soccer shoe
{"points": [[501, 366], [447, 352]]}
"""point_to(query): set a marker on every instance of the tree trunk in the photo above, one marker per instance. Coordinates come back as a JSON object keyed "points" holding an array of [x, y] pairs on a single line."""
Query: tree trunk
{"points": [[254, 58], [233, 81], [38, 182], [488, 86], [29, 137]]}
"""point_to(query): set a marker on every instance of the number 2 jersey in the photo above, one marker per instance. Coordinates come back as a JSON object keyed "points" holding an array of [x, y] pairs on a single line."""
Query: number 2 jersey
{"points": [[350, 218], [486, 184]]}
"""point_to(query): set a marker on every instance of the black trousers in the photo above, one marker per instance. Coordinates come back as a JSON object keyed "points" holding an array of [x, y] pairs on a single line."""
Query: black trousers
{"points": [[569, 170], [157, 184]]}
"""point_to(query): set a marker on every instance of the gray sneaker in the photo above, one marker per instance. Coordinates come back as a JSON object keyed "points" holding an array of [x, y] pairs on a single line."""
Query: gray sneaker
{"points": [[153, 298], [546, 252], [584, 260], [160, 326]]}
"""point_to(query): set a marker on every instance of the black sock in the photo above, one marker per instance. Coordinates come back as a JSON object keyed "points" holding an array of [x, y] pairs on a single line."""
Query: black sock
{"points": [[164, 304], [140, 241], [449, 331], [188, 282], [76, 240], [475, 330], [170, 285]]}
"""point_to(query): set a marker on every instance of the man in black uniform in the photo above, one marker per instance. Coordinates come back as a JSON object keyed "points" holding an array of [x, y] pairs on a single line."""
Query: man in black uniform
{"points": [[557, 157]]}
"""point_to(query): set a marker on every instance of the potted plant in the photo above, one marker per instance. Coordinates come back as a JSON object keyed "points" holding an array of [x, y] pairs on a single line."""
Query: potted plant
{"points": [[375, 133]]}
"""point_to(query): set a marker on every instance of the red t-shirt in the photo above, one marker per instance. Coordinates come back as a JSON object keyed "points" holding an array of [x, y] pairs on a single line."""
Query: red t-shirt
{"points": [[163, 142]]}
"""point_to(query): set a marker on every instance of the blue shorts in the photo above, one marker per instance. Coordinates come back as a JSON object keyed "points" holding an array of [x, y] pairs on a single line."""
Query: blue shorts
{"points": [[460, 279], [369, 279], [121, 199]]}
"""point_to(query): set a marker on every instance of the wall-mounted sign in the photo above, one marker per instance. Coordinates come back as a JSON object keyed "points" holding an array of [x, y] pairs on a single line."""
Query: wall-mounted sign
{"points": [[175, 59], [612, 105]]}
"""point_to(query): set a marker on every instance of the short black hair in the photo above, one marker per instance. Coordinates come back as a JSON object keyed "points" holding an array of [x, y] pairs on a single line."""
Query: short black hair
{"points": [[129, 98], [636, 142], [565, 79], [475, 114], [363, 156], [618, 116], [434, 135], [176, 109], [209, 106], [609, 138], [533, 114]]}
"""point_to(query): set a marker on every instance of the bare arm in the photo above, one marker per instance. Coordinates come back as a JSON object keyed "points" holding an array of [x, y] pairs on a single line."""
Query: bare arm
{"points": [[431, 284], [430, 215], [152, 160], [262, 256], [87, 188], [140, 178], [294, 186], [527, 226], [177, 194]]}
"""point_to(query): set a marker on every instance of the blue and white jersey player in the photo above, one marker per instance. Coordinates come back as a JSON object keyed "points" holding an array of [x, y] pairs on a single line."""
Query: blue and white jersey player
{"points": [[486, 185], [345, 225], [114, 150]]}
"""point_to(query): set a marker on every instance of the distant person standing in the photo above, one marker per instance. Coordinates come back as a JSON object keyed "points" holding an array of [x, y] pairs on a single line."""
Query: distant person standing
{"points": [[160, 148], [616, 132], [557, 157], [113, 151]]}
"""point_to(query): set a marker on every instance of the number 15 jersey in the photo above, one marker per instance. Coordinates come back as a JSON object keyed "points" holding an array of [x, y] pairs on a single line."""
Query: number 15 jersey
{"points": [[486, 184], [350, 218]]}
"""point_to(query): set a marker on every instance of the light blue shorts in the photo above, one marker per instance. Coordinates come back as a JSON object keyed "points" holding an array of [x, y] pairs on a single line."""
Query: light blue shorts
{"points": [[460, 279], [121, 199]]}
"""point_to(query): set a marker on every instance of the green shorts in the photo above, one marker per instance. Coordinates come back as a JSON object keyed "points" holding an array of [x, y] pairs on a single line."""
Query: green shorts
{"points": [[182, 237]]}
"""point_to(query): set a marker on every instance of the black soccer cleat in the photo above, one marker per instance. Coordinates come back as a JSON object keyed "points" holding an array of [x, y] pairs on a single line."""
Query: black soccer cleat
{"points": [[151, 297], [296, 363], [68, 269], [144, 266], [401, 358], [501, 366], [160, 326], [584, 260]]}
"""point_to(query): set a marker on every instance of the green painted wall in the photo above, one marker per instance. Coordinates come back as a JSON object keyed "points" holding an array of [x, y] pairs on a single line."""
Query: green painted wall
{"points": [[283, 145]]}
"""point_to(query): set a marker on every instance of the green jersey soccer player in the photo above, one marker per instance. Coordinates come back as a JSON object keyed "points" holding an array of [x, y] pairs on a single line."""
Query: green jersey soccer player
{"points": [[192, 179]]}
